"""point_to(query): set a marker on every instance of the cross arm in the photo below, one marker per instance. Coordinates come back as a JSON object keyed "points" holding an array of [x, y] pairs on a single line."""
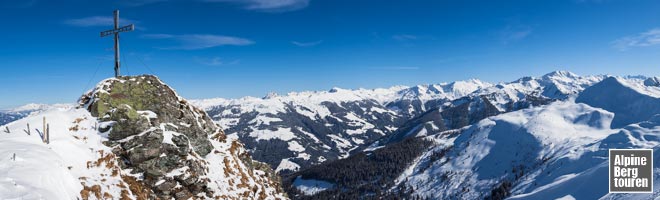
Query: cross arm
{"points": [[121, 29]]}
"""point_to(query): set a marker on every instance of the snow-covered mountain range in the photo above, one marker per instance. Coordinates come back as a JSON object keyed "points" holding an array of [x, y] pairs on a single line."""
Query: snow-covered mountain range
{"points": [[301, 129], [307, 128], [17, 113], [557, 149], [546, 152]]}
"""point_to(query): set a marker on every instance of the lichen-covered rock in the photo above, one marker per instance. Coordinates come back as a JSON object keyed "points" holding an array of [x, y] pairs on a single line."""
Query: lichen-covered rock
{"points": [[127, 122], [129, 100], [172, 147]]}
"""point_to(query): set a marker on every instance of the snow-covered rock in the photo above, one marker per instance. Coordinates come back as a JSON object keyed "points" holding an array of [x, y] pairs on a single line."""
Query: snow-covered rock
{"points": [[653, 81]]}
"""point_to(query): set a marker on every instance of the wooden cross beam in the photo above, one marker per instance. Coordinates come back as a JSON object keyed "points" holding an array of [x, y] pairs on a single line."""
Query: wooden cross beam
{"points": [[116, 32]]}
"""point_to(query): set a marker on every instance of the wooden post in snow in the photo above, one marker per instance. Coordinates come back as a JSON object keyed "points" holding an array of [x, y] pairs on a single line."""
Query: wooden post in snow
{"points": [[47, 133], [43, 131], [28, 129]]}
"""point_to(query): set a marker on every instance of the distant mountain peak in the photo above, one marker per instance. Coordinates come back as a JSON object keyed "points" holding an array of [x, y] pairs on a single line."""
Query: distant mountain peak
{"points": [[271, 95], [561, 73], [449, 90], [36, 107], [652, 81], [334, 90]]}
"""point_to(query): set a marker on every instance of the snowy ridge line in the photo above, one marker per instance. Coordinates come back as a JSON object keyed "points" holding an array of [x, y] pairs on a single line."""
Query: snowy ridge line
{"points": [[569, 83], [381, 95]]}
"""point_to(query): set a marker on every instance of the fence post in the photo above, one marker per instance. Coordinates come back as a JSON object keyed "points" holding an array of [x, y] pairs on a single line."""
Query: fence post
{"points": [[47, 133], [44, 130], [28, 129]]}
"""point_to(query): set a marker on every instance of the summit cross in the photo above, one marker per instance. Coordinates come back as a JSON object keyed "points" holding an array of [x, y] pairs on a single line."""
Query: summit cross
{"points": [[116, 32]]}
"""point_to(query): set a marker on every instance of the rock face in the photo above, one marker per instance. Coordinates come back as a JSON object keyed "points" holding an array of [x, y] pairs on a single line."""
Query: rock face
{"points": [[173, 149]]}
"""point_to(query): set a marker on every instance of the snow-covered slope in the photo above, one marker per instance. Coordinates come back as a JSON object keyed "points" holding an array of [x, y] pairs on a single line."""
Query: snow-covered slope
{"points": [[31, 169], [131, 138], [629, 98], [515, 149], [547, 152]]}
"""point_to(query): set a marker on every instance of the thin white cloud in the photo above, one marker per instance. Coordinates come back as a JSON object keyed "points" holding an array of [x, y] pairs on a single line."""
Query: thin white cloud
{"points": [[214, 61], [644, 39], [409, 39], [199, 41], [268, 5], [405, 37], [157, 36], [97, 21], [306, 44], [512, 33]]}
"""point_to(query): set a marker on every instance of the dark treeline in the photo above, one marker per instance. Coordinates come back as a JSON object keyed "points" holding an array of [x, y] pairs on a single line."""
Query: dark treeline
{"points": [[365, 175]]}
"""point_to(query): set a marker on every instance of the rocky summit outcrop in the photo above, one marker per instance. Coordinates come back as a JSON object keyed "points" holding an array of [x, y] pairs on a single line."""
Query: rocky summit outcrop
{"points": [[171, 148]]}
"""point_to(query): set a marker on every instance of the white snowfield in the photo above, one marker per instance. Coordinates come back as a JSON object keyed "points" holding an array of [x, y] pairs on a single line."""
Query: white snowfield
{"points": [[311, 186], [556, 151], [30, 169], [77, 161]]}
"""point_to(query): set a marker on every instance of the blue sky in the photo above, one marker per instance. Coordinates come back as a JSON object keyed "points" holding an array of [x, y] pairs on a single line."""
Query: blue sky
{"points": [[51, 50]]}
